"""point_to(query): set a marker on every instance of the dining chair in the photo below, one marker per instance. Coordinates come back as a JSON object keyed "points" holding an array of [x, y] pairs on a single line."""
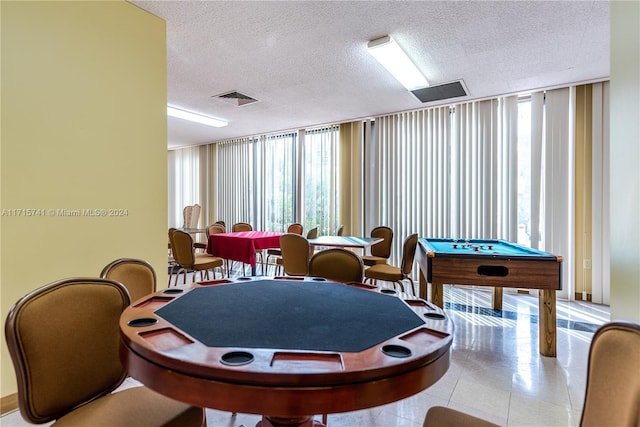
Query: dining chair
{"points": [[222, 223], [612, 395], [244, 226], [341, 265], [380, 252], [294, 259], [215, 228], [340, 230], [191, 216], [241, 226], [188, 260], [137, 275], [396, 275], [64, 342], [295, 228], [312, 234]]}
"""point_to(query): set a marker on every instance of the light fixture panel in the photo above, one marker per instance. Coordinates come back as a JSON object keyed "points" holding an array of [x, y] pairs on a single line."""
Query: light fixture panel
{"points": [[195, 117], [397, 62]]}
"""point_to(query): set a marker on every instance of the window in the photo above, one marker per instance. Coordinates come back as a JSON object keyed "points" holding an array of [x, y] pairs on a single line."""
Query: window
{"points": [[276, 171], [272, 181]]}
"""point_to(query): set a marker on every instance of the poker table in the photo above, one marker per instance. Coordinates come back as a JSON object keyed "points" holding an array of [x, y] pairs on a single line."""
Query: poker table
{"points": [[285, 348], [498, 264]]}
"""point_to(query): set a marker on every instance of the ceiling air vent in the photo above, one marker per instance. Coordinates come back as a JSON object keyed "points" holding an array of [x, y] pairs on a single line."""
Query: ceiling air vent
{"points": [[235, 98], [440, 92]]}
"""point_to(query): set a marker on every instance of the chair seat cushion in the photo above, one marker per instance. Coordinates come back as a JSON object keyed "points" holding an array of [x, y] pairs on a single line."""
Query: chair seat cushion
{"points": [[384, 272], [205, 262], [137, 406], [373, 260], [439, 416]]}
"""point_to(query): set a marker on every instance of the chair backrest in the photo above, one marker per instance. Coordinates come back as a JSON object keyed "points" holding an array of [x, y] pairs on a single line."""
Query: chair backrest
{"points": [[337, 264], [182, 247], [64, 341], [215, 229], [295, 228], [295, 254], [313, 233], [222, 223], [382, 249], [340, 230], [408, 253], [241, 226], [137, 275], [612, 396], [191, 216]]}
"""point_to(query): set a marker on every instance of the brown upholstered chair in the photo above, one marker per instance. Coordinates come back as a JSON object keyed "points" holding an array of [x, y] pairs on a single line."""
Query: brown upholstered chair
{"points": [[137, 275], [313, 233], [439, 416], [396, 275], [295, 255], [186, 258], [241, 226], [215, 229], [222, 223], [64, 341], [612, 396], [380, 252], [341, 265], [340, 230], [244, 226], [294, 228]]}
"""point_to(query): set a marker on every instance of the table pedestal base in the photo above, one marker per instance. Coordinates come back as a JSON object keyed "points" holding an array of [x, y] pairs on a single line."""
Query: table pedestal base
{"points": [[268, 421]]}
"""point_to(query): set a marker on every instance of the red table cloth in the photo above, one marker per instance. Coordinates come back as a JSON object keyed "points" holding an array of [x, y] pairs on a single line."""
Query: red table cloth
{"points": [[242, 245]]}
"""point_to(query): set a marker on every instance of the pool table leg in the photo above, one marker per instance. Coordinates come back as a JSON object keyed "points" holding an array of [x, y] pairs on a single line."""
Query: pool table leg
{"points": [[437, 296], [547, 322], [497, 298], [422, 286]]}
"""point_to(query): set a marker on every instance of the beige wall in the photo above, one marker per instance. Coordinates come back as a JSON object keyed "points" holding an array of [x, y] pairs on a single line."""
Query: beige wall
{"points": [[83, 127], [625, 160]]}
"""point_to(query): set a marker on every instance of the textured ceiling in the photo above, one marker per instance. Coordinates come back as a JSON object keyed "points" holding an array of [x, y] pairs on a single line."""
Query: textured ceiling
{"points": [[307, 62]]}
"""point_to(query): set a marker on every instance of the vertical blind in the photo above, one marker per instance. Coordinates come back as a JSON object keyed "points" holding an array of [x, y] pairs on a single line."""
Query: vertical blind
{"points": [[446, 172]]}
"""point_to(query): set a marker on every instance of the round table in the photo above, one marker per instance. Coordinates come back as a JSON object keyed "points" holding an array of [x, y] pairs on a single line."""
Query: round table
{"points": [[285, 348]]}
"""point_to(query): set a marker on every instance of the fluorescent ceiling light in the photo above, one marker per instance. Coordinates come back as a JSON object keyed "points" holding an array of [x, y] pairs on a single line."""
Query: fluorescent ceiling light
{"points": [[393, 58], [197, 118]]}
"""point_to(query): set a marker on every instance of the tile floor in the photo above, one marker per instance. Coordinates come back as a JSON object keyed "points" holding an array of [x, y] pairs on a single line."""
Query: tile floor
{"points": [[496, 370]]}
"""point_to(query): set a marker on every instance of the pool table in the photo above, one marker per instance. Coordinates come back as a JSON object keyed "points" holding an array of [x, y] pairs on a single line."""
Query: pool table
{"points": [[498, 264]]}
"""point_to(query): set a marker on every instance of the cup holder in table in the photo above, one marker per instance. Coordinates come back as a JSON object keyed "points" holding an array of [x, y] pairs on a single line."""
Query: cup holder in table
{"points": [[396, 350], [244, 278], [236, 358], [173, 291], [319, 279], [436, 316], [388, 291], [142, 322]]}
